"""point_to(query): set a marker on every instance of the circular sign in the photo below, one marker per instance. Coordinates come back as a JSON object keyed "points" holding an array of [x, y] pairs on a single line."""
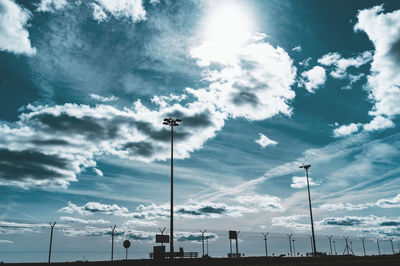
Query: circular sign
{"points": [[127, 244]]}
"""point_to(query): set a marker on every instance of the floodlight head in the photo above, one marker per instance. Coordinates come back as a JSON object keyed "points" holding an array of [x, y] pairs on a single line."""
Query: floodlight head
{"points": [[165, 123], [305, 166], [166, 119]]}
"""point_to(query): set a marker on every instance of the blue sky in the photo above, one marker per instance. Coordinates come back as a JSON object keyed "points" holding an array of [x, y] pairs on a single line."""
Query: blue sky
{"points": [[261, 86]]}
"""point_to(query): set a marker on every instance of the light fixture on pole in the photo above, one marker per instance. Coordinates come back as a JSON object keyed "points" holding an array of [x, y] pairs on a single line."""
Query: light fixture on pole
{"points": [[172, 123], [306, 167]]}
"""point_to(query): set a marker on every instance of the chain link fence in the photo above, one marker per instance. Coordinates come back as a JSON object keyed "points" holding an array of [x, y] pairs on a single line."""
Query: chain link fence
{"points": [[30, 242]]}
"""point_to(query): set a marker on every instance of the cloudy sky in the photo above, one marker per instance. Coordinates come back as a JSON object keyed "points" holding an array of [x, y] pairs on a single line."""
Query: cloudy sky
{"points": [[261, 86]]}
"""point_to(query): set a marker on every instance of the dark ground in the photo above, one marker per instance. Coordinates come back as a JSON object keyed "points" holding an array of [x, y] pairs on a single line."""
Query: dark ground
{"points": [[249, 261]]}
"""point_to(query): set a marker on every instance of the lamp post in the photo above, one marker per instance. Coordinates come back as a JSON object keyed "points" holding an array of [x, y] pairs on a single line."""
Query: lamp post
{"points": [[306, 167], [265, 243], [172, 123]]}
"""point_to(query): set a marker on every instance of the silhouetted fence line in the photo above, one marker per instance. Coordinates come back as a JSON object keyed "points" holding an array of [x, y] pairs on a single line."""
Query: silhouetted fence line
{"points": [[29, 242]]}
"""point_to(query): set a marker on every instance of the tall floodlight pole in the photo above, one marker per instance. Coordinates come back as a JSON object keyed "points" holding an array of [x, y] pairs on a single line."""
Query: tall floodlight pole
{"points": [[290, 244], [112, 241], [265, 243], [202, 239], [172, 123], [306, 167], [363, 239], [51, 237], [330, 243]]}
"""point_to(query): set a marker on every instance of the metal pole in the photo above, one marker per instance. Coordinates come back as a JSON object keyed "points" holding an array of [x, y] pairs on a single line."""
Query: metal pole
{"points": [[330, 243], [362, 239], [230, 244], [379, 249], [207, 244], [171, 247], [265, 243], [311, 216], [126, 254], [202, 239], [162, 233], [51, 238], [334, 245], [112, 242], [294, 249], [237, 245], [391, 242], [290, 244]]}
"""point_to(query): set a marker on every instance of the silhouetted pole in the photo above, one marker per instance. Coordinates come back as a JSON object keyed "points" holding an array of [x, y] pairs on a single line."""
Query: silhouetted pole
{"points": [[207, 244], [311, 243], [330, 243], [290, 244], [391, 242], [202, 239], [334, 246], [294, 249], [265, 243], [230, 244], [237, 244], [112, 241], [379, 248], [306, 167], [347, 246], [51, 238], [162, 233], [363, 239], [172, 123]]}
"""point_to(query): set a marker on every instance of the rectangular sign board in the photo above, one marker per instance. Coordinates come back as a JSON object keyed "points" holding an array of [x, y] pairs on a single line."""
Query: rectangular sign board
{"points": [[162, 238], [232, 235]]}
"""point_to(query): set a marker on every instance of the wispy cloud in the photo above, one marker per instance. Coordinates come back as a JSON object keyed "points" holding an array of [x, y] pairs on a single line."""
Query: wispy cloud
{"points": [[264, 141]]}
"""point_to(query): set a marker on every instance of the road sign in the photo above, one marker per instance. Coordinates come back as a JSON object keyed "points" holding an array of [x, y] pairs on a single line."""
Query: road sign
{"points": [[162, 238], [127, 244], [232, 234]]}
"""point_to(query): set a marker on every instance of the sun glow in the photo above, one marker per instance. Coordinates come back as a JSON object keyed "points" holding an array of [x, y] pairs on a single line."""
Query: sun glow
{"points": [[228, 23], [225, 29]]}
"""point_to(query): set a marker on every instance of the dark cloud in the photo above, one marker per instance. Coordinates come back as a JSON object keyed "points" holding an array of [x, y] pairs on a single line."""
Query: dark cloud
{"points": [[243, 97], [395, 51], [140, 148], [190, 212], [50, 142], [88, 126], [390, 223], [210, 209], [342, 221], [193, 237], [161, 135], [17, 165], [203, 119]]}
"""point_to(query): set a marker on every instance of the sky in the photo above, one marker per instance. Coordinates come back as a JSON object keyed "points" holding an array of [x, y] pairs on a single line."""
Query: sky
{"points": [[261, 87]]}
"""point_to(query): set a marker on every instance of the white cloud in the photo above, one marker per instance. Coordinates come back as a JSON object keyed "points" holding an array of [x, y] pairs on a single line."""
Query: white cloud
{"points": [[98, 171], [301, 182], [102, 98], [120, 9], [14, 37], [379, 122], [383, 29], [342, 64], [305, 62], [345, 130], [343, 206], [4, 241], [389, 203], [51, 5], [297, 48], [261, 202], [313, 78], [95, 207], [83, 221], [264, 141], [253, 81]]}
